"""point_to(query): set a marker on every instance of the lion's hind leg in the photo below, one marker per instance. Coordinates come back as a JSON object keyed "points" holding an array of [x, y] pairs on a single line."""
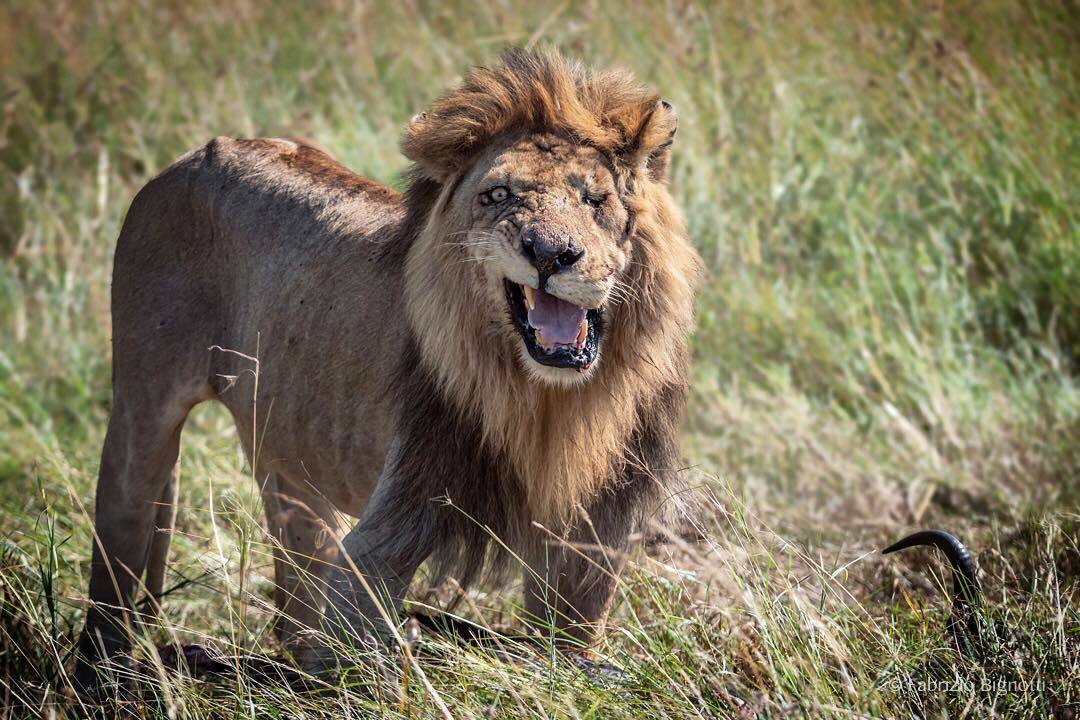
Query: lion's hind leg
{"points": [[158, 554], [136, 494], [305, 532]]}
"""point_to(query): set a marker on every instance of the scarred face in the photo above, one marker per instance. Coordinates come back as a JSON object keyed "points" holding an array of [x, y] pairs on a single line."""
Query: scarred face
{"points": [[548, 234]]}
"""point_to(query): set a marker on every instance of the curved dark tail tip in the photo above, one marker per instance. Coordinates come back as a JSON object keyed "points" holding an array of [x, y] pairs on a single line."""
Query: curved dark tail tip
{"points": [[965, 579]]}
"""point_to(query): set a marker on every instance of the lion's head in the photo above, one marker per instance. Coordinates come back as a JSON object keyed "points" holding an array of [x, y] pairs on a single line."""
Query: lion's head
{"points": [[548, 270], [542, 165]]}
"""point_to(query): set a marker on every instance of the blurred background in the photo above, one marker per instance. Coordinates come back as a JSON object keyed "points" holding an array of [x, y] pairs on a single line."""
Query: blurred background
{"points": [[886, 199]]}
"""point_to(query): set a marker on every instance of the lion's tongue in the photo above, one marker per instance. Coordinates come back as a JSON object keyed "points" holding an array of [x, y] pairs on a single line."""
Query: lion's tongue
{"points": [[557, 320]]}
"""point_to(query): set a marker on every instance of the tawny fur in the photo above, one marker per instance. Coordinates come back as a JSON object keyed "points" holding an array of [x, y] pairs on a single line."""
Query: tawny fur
{"points": [[388, 371]]}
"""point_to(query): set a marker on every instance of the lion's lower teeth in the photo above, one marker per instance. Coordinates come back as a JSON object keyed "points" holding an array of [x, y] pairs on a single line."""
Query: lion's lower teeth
{"points": [[583, 333]]}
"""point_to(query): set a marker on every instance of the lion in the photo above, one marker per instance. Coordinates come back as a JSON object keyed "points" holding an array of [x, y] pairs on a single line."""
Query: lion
{"points": [[490, 366]]}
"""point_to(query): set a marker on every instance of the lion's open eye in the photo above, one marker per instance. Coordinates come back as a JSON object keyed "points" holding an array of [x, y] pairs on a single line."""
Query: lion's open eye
{"points": [[494, 195]]}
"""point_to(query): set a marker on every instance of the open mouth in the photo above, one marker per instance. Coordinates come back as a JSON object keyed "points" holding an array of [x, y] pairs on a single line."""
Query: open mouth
{"points": [[555, 332]]}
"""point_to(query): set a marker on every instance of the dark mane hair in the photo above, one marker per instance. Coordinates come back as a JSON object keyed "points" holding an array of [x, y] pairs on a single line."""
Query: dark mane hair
{"points": [[484, 452]]}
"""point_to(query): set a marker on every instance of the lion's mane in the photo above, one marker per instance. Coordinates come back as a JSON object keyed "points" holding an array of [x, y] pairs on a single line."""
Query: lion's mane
{"points": [[535, 453]]}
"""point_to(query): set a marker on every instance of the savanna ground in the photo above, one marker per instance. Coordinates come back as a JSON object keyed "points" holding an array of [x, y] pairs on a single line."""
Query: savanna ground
{"points": [[885, 196]]}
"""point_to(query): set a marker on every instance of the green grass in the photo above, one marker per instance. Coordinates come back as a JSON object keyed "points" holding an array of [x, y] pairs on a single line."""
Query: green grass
{"points": [[886, 199]]}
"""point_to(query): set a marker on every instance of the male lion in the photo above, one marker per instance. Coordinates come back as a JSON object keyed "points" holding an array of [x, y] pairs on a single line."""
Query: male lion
{"points": [[501, 352]]}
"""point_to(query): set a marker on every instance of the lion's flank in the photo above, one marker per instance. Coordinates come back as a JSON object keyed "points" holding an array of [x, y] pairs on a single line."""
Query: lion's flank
{"points": [[540, 91]]}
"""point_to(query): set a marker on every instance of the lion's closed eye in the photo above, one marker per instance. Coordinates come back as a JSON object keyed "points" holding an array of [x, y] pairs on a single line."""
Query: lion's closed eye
{"points": [[594, 199]]}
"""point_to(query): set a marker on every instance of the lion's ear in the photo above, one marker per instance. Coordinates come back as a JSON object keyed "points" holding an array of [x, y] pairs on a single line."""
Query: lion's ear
{"points": [[418, 146], [649, 140]]}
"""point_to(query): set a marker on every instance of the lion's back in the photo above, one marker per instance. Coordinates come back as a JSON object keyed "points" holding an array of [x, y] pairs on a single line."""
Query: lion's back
{"points": [[239, 239], [267, 188], [244, 213]]}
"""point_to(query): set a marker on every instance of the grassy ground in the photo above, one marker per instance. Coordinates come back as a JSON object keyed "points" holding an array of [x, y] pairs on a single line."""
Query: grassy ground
{"points": [[886, 199]]}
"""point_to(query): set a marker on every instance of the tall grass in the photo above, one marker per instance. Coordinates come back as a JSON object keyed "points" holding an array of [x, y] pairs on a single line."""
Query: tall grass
{"points": [[886, 199]]}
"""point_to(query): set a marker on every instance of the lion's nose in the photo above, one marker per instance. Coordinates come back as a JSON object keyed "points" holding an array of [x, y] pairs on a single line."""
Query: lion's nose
{"points": [[549, 253]]}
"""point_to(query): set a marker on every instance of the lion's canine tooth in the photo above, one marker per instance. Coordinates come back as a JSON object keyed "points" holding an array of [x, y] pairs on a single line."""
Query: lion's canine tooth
{"points": [[540, 338], [530, 296], [583, 332]]}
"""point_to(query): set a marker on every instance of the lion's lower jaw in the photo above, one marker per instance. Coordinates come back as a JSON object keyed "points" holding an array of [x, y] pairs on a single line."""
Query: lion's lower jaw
{"points": [[560, 377]]}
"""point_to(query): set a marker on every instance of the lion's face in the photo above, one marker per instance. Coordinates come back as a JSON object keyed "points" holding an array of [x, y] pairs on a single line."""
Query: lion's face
{"points": [[546, 235]]}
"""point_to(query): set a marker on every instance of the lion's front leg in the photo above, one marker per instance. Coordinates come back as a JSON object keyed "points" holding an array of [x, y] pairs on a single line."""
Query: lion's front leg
{"points": [[570, 585]]}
